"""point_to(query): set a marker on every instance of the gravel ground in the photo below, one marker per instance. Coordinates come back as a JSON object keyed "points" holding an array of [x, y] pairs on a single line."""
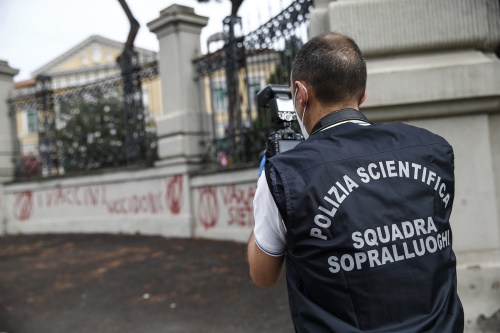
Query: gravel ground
{"points": [[110, 283]]}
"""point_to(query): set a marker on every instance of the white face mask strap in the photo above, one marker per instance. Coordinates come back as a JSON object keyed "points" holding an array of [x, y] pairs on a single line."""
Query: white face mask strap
{"points": [[307, 99], [301, 121]]}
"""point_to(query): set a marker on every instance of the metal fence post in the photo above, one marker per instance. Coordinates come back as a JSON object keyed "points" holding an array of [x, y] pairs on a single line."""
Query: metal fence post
{"points": [[133, 109], [16, 158], [234, 52], [47, 135]]}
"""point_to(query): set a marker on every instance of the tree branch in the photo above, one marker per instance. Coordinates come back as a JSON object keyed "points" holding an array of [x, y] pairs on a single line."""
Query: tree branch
{"points": [[134, 26], [235, 6]]}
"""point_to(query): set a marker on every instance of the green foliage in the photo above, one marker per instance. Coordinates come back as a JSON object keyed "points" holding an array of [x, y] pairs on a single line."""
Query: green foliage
{"points": [[91, 132]]}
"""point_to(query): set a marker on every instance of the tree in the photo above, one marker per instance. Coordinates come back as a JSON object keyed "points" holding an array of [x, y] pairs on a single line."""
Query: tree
{"points": [[134, 26], [235, 5], [91, 132]]}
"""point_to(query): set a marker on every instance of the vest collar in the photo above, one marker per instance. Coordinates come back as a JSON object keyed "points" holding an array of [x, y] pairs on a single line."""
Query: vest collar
{"points": [[338, 116]]}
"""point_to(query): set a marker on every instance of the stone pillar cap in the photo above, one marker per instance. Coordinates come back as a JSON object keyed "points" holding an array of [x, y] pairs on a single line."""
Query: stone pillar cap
{"points": [[177, 9], [5, 69], [176, 14]]}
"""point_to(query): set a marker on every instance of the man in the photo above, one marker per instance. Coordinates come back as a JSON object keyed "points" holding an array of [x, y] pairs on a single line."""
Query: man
{"points": [[359, 211]]}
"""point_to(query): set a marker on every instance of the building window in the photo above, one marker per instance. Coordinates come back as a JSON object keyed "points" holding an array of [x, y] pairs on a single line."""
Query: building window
{"points": [[32, 122], [220, 99], [220, 130], [29, 148], [109, 57], [96, 54]]}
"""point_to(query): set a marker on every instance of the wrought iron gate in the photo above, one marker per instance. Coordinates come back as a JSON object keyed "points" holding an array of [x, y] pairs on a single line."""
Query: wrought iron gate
{"points": [[81, 128], [230, 77]]}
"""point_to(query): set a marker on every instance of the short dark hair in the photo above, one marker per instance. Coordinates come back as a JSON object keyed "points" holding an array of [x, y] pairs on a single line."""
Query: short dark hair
{"points": [[333, 65]]}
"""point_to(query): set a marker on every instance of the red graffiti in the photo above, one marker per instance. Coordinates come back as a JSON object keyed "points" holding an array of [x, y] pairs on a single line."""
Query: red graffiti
{"points": [[208, 208], [238, 202], [72, 197], [150, 203], [232, 194], [23, 206], [147, 203], [174, 195], [241, 216]]}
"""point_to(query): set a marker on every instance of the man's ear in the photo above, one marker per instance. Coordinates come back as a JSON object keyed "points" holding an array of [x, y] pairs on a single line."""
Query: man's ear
{"points": [[302, 97], [362, 98]]}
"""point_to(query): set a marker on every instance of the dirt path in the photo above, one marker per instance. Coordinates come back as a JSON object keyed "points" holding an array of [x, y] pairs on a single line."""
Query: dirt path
{"points": [[108, 283]]}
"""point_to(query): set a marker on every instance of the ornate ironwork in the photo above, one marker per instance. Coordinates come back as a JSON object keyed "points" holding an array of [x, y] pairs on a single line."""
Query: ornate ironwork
{"points": [[280, 26], [91, 126], [246, 64]]}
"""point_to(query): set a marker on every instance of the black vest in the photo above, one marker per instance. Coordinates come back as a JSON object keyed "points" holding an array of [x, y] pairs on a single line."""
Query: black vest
{"points": [[368, 236]]}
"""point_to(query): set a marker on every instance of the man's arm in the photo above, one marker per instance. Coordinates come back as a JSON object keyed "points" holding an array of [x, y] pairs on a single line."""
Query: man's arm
{"points": [[265, 270]]}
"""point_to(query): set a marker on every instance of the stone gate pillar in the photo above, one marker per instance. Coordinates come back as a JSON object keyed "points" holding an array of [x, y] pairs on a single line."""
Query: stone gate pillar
{"points": [[430, 63], [179, 130], [8, 135]]}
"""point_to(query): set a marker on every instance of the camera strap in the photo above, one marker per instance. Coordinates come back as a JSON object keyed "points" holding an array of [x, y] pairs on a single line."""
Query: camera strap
{"points": [[338, 116]]}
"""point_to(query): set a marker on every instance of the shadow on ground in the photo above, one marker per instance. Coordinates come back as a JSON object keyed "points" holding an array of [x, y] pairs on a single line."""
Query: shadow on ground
{"points": [[109, 283]]}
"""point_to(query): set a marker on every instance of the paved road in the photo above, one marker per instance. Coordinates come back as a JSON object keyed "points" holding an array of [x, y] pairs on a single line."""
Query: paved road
{"points": [[110, 283]]}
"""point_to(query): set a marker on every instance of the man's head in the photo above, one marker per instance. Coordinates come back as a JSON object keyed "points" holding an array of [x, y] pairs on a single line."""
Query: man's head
{"points": [[333, 67]]}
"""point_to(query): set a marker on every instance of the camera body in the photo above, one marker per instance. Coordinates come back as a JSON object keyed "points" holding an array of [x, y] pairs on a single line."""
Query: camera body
{"points": [[282, 141], [278, 99]]}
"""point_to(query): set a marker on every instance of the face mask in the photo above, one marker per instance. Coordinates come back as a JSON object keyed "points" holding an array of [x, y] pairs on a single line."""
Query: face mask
{"points": [[301, 121]]}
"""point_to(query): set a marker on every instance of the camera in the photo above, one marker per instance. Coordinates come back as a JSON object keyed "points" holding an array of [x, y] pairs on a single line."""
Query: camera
{"points": [[278, 99]]}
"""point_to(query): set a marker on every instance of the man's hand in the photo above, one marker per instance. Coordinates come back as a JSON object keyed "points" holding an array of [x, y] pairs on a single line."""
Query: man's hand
{"points": [[265, 270]]}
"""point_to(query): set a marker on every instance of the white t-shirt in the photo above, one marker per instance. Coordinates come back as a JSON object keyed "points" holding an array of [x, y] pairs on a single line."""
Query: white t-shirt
{"points": [[270, 230]]}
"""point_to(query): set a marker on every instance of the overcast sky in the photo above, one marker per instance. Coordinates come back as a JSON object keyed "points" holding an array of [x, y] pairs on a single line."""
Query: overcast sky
{"points": [[34, 32]]}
